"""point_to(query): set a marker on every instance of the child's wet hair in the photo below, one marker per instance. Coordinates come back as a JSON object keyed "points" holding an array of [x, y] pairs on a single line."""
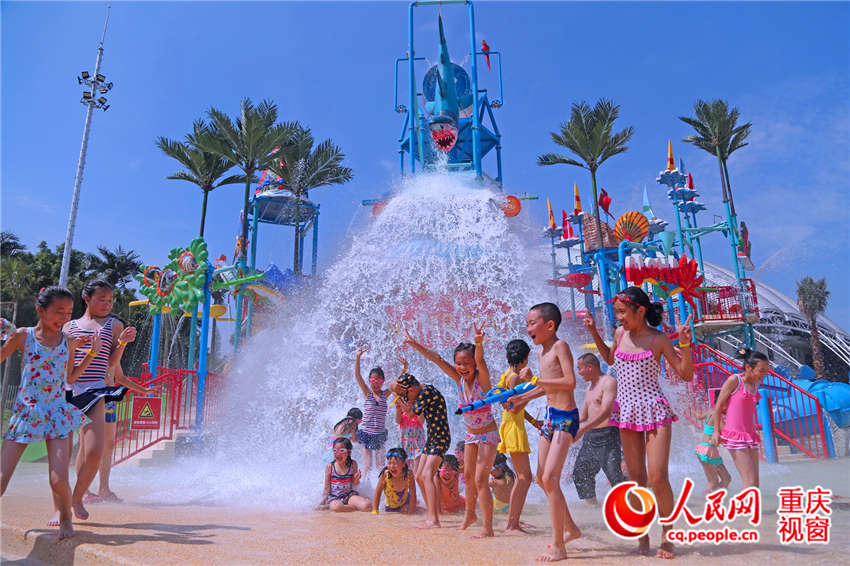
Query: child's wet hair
{"points": [[349, 421], [548, 311], [347, 445], [92, 286], [399, 453], [464, 347], [377, 371], [501, 463], [450, 461], [635, 297], [50, 294], [750, 358], [517, 352], [460, 446], [589, 359]]}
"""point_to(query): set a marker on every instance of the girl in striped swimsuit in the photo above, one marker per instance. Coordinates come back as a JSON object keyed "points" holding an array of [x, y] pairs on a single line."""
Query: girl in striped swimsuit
{"points": [[341, 476], [372, 433], [89, 392]]}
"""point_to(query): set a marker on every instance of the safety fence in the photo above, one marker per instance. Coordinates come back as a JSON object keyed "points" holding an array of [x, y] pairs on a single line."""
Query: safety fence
{"points": [[177, 389], [728, 303], [796, 417]]}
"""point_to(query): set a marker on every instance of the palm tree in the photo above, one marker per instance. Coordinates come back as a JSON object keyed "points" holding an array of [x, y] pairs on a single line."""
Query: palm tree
{"points": [[812, 297], [718, 133], [589, 135], [10, 244], [117, 266], [301, 168], [251, 143], [203, 168], [18, 283]]}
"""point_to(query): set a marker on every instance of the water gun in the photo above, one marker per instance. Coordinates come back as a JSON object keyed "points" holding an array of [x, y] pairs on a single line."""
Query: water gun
{"points": [[498, 395]]}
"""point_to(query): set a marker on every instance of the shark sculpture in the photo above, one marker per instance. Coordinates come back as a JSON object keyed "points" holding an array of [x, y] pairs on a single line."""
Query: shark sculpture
{"points": [[446, 106]]}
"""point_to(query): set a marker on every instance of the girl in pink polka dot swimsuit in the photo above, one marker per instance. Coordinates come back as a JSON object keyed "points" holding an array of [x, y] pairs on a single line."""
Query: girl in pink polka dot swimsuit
{"points": [[641, 411]]}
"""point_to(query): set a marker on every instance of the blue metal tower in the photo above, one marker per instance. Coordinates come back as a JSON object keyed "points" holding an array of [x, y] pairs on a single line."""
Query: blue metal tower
{"points": [[450, 107]]}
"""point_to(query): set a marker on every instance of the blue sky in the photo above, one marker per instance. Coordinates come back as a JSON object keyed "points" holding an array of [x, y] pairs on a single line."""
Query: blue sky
{"points": [[786, 66]]}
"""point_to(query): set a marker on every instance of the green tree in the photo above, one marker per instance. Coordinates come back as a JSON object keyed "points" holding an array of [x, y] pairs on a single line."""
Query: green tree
{"points": [[718, 133], [117, 267], [17, 282], [10, 245], [251, 142], [302, 168], [812, 297], [203, 168], [589, 135]]}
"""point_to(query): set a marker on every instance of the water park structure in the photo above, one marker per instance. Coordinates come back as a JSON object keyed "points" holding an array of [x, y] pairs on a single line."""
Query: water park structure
{"points": [[444, 129]]}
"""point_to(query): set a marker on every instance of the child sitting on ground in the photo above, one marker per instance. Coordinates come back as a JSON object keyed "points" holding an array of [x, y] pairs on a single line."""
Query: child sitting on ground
{"points": [[460, 449], [501, 481], [396, 483], [341, 476], [451, 501], [346, 428]]}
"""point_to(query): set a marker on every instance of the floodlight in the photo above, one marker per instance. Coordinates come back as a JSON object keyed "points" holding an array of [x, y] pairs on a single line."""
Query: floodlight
{"points": [[101, 100], [87, 95], [99, 78], [108, 86], [85, 75]]}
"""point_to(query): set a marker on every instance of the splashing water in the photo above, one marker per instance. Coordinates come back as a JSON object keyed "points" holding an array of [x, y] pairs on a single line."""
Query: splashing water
{"points": [[440, 257]]}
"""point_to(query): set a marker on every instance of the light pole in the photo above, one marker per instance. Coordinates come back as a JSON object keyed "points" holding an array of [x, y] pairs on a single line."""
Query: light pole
{"points": [[97, 86]]}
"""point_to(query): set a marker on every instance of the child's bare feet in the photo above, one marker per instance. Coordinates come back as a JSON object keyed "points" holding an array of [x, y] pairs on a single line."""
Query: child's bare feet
{"points": [[553, 555], [429, 525], [468, 521], [54, 520], [66, 530], [643, 546], [109, 495], [485, 533], [571, 535], [516, 529], [665, 551], [79, 511], [90, 497]]}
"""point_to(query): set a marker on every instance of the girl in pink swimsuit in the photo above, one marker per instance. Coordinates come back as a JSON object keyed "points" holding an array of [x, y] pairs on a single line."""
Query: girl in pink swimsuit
{"points": [[641, 410], [738, 398], [482, 433]]}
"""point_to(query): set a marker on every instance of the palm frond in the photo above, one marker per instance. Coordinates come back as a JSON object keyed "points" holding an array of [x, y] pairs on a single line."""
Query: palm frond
{"points": [[557, 159]]}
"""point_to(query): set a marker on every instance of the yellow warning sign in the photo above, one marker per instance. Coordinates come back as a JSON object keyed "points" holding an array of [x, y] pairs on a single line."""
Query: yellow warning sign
{"points": [[146, 413]]}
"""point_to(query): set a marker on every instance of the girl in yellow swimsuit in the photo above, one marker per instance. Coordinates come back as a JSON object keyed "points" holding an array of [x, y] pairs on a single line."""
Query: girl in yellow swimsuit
{"points": [[512, 430], [396, 484]]}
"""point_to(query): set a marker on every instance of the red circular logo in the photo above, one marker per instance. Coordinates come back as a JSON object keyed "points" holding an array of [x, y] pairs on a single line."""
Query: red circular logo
{"points": [[622, 519]]}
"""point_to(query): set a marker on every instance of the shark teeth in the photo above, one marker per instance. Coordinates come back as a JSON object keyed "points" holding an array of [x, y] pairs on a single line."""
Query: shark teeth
{"points": [[444, 139]]}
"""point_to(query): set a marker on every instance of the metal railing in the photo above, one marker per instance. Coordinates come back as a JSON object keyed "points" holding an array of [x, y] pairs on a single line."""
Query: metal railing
{"points": [[178, 390], [796, 416]]}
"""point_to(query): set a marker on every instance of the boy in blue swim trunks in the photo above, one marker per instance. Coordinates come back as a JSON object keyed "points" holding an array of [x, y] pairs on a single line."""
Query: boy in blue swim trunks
{"points": [[557, 381]]}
